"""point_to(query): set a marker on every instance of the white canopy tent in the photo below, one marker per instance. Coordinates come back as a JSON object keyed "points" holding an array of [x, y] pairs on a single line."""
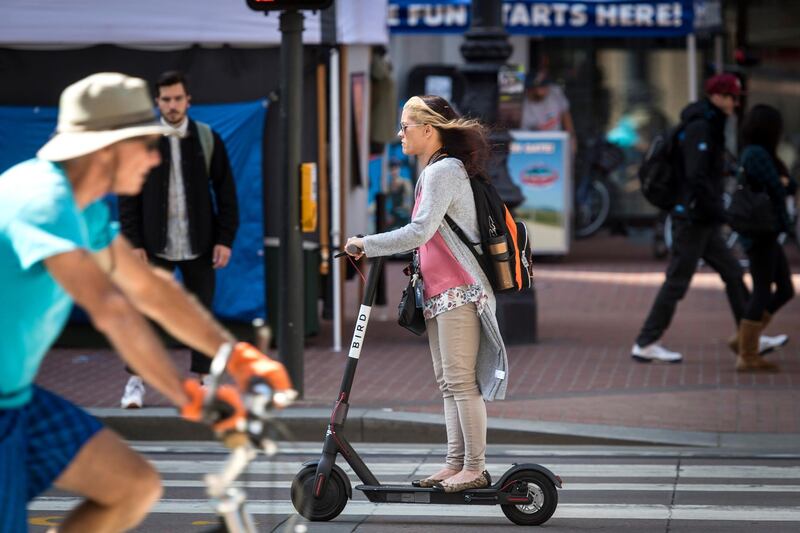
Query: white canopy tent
{"points": [[172, 23], [164, 25]]}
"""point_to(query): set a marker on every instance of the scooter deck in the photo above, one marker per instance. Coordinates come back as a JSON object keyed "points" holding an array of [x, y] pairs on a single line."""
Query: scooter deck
{"points": [[409, 494]]}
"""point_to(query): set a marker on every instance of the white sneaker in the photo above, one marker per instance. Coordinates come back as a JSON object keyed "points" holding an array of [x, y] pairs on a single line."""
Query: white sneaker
{"points": [[654, 352], [134, 394], [766, 343]]}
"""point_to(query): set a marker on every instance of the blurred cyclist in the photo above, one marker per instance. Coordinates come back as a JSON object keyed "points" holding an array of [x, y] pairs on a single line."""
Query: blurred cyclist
{"points": [[58, 245]]}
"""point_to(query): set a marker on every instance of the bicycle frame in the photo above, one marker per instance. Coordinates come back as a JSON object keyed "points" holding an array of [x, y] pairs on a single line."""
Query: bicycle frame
{"points": [[229, 501]]}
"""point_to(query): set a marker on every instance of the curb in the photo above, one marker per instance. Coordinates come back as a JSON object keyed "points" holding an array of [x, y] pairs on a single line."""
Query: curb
{"points": [[387, 426]]}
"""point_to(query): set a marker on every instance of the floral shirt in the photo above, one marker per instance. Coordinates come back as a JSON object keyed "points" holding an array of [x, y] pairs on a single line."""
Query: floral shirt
{"points": [[455, 297]]}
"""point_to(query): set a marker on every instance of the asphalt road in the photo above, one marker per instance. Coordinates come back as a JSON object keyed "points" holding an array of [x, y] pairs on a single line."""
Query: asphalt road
{"points": [[612, 489]]}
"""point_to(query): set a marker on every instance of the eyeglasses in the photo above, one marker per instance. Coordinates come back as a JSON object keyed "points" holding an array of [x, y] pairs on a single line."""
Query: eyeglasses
{"points": [[404, 126]]}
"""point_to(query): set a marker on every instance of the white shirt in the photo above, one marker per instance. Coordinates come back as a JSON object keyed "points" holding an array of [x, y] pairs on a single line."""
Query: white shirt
{"points": [[178, 246], [545, 115]]}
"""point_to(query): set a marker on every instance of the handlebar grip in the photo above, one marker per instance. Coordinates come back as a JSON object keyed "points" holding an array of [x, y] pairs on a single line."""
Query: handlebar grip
{"points": [[352, 249]]}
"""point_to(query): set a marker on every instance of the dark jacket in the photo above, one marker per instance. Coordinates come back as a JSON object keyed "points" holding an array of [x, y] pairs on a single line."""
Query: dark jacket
{"points": [[762, 174], [144, 217], [702, 147]]}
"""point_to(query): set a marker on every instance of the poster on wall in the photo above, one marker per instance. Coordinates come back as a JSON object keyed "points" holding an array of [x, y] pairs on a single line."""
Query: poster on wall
{"points": [[357, 82], [538, 164], [398, 188]]}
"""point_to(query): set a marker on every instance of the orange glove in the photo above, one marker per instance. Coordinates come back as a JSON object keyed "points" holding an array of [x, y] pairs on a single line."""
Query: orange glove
{"points": [[247, 363], [227, 408]]}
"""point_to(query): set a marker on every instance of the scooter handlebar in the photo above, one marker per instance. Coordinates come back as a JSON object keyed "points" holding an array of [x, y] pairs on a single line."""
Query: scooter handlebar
{"points": [[352, 249]]}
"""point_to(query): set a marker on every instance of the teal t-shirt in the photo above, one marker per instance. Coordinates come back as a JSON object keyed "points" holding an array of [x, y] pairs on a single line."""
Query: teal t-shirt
{"points": [[38, 219]]}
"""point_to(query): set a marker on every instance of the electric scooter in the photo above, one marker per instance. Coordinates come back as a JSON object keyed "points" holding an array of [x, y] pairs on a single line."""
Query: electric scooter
{"points": [[526, 493]]}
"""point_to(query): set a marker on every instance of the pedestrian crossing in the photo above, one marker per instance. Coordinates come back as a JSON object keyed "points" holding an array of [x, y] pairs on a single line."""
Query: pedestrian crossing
{"points": [[564, 510], [631, 486]]}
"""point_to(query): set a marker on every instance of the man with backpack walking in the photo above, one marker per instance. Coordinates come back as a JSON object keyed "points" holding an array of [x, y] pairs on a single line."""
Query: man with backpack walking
{"points": [[697, 156], [187, 214]]}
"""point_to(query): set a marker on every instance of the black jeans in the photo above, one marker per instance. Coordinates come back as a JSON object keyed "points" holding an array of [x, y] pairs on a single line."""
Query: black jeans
{"points": [[199, 279], [768, 265], [690, 243]]}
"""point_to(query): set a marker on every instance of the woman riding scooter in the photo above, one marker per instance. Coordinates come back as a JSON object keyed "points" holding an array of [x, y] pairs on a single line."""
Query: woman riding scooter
{"points": [[459, 305]]}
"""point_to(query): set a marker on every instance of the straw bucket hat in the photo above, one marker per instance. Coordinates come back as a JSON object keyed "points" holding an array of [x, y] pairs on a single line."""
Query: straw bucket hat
{"points": [[98, 111]]}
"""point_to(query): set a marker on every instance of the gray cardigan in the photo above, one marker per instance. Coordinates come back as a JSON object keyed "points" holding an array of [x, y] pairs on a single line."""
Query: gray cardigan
{"points": [[446, 190]]}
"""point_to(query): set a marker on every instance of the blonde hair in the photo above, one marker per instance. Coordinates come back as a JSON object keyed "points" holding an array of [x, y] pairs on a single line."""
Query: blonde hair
{"points": [[462, 138], [421, 112]]}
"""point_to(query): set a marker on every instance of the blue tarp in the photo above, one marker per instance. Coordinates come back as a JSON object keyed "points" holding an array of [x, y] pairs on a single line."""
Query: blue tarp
{"points": [[240, 286], [555, 18]]}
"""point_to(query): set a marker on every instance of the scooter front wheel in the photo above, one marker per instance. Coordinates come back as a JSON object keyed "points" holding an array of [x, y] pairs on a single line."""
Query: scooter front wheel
{"points": [[328, 506], [545, 499]]}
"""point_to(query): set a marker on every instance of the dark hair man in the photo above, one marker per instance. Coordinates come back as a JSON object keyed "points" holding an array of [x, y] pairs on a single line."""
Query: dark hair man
{"points": [[546, 107], [176, 222]]}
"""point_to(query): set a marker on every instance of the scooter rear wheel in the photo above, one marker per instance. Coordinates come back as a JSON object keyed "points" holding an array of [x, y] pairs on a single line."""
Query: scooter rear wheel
{"points": [[545, 499], [329, 506]]}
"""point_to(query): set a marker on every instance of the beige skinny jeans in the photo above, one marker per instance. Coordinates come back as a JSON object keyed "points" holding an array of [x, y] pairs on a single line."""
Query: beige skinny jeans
{"points": [[454, 337]]}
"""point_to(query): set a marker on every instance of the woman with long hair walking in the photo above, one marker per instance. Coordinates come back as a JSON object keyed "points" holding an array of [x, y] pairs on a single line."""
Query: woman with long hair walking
{"points": [[764, 171]]}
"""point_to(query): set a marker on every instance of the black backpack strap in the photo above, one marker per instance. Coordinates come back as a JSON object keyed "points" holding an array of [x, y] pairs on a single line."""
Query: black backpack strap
{"points": [[471, 245]]}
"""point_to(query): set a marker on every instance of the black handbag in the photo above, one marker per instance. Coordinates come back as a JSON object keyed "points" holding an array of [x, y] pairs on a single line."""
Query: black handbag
{"points": [[409, 312], [751, 212]]}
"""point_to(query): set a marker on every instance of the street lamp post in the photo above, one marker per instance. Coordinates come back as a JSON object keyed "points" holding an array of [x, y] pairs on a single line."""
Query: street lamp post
{"points": [[485, 50], [291, 330]]}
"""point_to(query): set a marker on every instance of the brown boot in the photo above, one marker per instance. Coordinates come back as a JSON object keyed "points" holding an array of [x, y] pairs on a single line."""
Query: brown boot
{"points": [[748, 359], [733, 340]]}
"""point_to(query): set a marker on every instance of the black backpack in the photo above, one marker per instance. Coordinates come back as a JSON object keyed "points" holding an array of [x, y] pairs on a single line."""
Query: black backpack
{"points": [[660, 172], [506, 256]]}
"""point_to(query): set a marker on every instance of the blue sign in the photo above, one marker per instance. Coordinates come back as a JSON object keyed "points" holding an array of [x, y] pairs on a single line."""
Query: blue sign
{"points": [[554, 18], [538, 164], [240, 286]]}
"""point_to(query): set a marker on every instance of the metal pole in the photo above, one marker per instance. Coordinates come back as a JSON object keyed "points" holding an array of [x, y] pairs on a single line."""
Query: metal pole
{"points": [[719, 64], [691, 63], [291, 290], [336, 196], [485, 50]]}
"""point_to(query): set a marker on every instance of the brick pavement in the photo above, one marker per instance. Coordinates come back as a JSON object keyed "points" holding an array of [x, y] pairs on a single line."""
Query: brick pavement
{"points": [[590, 308]]}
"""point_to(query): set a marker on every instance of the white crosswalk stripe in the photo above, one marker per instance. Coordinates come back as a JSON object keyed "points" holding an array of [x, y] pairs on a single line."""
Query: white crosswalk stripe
{"points": [[564, 510], [711, 489], [564, 470], [621, 487]]}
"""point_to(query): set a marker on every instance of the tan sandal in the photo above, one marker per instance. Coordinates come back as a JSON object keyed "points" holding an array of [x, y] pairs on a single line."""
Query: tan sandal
{"points": [[480, 482], [426, 483]]}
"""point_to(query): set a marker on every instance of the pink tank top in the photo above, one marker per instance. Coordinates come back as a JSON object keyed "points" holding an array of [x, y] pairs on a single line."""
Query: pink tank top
{"points": [[439, 267]]}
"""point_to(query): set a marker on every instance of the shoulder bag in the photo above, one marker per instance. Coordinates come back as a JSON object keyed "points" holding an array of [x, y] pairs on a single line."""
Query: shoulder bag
{"points": [[409, 312]]}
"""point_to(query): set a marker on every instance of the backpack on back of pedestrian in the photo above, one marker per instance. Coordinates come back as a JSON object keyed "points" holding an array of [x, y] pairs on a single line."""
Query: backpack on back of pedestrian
{"points": [[505, 245], [660, 171]]}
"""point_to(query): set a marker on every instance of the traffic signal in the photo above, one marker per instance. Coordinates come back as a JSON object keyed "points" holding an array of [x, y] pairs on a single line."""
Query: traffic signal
{"points": [[285, 5]]}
